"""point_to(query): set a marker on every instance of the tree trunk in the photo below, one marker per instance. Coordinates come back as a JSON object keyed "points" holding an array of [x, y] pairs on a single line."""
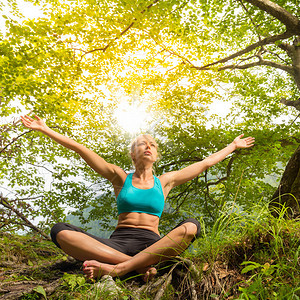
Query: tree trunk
{"points": [[288, 191]]}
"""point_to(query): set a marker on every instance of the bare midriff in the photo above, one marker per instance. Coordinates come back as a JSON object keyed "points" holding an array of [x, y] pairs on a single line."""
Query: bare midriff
{"points": [[138, 220]]}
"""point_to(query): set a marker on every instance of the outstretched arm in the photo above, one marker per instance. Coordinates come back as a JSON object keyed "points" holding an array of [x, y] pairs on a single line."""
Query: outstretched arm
{"points": [[111, 172], [175, 178]]}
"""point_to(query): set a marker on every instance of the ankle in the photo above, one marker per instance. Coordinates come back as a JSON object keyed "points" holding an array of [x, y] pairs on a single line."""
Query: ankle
{"points": [[120, 269]]}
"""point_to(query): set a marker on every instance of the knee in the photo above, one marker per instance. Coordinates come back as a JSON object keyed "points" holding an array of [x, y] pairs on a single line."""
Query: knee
{"points": [[190, 230], [193, 227], [58, 232], [56, 229], [63, 235]]}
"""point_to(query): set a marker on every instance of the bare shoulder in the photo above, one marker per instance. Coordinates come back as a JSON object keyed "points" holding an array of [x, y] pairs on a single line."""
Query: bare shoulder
{"points": [[167, 179], [119, 175]]}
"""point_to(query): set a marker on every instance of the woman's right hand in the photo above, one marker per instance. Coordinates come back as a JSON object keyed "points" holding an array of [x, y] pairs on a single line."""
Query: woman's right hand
{"points": [[37, 124]]}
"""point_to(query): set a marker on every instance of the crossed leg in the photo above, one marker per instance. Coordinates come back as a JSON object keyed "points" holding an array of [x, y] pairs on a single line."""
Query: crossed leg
{"points": [[85, 248], [174, 243]]}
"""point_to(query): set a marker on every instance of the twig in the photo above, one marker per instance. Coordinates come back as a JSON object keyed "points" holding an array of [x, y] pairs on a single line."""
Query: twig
{"points": [[14, 139], [6, 204], [249, 15], [192, 268], [295, 120], [120, 34]]}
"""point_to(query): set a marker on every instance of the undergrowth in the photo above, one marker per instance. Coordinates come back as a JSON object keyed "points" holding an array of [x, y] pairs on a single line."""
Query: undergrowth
{"points": [[265, 250], [245, 255]]}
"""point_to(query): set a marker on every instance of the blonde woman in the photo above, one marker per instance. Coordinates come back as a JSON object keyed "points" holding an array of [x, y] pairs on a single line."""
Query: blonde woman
{"points": [[136, 243]]}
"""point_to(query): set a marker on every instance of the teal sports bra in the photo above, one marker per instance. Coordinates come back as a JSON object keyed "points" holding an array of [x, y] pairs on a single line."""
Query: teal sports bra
{"points": [[150, 201]]}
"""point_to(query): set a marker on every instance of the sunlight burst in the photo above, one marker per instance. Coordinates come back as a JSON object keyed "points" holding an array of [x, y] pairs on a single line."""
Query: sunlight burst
{"points": [[132, 118]]}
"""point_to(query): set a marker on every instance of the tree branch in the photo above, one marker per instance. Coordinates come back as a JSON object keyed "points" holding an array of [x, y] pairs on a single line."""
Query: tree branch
{"points": [[286, 47], [6, 204], [179, 195], [295, 103], [250, 17], [228, 171], [265, 41], [261, 62], [291, 22], [14, 139], [120, 34], [277, 55], [195, 159]]}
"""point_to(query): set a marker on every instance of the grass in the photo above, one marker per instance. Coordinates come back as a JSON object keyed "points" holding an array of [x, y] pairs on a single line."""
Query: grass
{"points": [[245, 255], [264, 250]]}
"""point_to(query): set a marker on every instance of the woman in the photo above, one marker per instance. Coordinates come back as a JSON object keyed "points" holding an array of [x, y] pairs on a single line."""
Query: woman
{"points": [[136, 243]]}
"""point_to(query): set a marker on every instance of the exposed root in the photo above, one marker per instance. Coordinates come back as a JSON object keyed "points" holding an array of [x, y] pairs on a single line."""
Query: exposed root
{"points": [[164, 286], [193, 270], [218, 280], [17, 289]]}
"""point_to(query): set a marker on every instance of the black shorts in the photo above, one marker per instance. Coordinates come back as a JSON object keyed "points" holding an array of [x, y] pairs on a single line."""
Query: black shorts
{"points": [[127, 240]]}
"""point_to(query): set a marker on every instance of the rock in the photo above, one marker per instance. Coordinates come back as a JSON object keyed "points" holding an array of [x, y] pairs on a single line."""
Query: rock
{"points": [[108, 287]]}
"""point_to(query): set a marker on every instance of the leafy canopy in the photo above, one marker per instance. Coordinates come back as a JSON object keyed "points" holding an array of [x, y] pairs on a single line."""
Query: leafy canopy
{"points": [[83, 59]]}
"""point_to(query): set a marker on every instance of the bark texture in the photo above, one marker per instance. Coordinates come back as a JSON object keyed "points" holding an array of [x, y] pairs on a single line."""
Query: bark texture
{"points": [[288, 192]]}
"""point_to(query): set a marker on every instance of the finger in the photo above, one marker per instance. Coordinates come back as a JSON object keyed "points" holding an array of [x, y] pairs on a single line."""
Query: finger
{"points": [[30, 119], [25, 122], [38, 118]]}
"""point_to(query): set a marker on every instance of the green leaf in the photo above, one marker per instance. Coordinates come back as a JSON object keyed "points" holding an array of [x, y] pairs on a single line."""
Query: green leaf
{"points": [[248, 268], [30, 263], [39, 289]]}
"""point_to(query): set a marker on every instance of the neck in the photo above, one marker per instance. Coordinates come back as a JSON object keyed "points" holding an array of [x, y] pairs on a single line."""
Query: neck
{"points": [[143, 172]]}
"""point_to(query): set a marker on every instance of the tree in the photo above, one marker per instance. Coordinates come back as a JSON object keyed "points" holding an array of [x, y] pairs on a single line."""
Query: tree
{"points": [[277, 46], [75, 66]]}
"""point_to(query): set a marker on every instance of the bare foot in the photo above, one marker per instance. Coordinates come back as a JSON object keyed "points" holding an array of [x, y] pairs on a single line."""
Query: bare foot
{"points": [[95, 269], [149, 274]]}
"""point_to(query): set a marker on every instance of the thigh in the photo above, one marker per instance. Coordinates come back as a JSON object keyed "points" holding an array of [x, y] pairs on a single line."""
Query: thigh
{"points": [[128, 240], [65, 226]]}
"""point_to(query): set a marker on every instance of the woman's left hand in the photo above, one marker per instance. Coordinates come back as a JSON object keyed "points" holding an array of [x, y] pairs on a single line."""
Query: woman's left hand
{"points": [[243, 143]]}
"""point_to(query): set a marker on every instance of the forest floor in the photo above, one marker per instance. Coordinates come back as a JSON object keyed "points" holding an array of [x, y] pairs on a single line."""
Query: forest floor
{"points": [[261, 263]]}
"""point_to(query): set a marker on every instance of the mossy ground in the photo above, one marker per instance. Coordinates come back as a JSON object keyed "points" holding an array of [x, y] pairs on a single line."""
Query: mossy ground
{"points": [[252, 260]]}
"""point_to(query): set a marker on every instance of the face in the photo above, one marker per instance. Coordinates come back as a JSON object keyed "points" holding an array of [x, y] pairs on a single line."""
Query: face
{"points": [[144, 148]]}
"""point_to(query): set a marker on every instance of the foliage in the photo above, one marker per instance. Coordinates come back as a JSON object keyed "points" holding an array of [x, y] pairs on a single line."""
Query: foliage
{"points": [[73, 281], [40, 290], [81, 60], [265, 248]]}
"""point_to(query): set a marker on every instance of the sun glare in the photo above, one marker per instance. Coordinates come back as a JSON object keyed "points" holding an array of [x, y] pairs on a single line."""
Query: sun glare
{"points": [[132, 118]]}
